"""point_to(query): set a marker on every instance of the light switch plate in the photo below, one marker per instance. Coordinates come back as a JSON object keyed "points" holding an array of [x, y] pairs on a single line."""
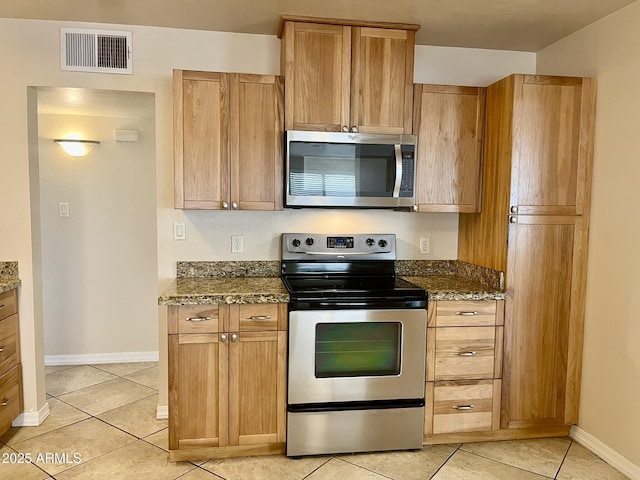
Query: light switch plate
{"points": [[179, 231], [63, 209]]}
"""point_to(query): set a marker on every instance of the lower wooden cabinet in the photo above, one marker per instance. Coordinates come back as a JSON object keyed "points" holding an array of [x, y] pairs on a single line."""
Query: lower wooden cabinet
{"points": [[10, 368], [227, 388], [464, 366], [465, 406]]}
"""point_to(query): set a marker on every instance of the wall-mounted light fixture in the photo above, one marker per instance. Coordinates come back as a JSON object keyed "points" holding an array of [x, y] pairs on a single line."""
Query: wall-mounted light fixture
{"points": [[76, 148]]}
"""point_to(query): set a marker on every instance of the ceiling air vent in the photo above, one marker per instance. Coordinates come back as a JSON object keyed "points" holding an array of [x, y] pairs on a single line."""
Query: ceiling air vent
{"points": [[102, 51]]}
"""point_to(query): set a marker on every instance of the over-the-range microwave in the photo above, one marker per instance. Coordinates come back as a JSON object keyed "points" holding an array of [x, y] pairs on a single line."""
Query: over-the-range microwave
{"points": [[327, 169]]}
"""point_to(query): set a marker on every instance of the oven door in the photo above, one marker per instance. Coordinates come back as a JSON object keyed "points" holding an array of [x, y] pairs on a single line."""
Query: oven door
{"points": [[356, 355]]}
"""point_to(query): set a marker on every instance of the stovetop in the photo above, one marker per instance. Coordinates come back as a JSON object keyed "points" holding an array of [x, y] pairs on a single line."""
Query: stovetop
{"points": [[328, 271]]}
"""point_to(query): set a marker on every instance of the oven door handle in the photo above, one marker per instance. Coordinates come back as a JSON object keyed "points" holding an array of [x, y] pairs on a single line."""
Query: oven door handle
{"points": [[396, 187]]}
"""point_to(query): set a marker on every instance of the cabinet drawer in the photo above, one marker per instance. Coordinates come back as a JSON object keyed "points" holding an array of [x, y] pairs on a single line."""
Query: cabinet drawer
{"points": [[9, 353], [258, 317], [8, 304], [9, 398], [465, 313], [464, 353], [197, 319], [462, 406]]}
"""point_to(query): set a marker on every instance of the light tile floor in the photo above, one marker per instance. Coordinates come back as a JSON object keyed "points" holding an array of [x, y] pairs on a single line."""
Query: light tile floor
{"points": [[103, 426]]}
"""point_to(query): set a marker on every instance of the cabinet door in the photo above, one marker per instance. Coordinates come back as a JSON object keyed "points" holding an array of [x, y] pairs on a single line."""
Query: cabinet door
{"points": [[198, 391], [552, 128], [317, 66], [257, 388], [543, 321], [382, 80], [449, 122], [201, 139], [256, 142]]}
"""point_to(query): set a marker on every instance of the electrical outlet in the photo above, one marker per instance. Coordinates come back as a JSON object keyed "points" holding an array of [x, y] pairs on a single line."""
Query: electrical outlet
{"points": [[425, 244], [237, 243]]}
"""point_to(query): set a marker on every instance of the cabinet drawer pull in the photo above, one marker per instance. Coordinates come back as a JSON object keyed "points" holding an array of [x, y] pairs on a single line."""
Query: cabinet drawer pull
{"points": [[5, 402], [463, 407], [259, 317], [465, 354], [467, 314], [198, 319]]}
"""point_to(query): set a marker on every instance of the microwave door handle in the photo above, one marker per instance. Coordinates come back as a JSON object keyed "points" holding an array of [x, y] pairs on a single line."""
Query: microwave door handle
{"points": [[396, 187]]}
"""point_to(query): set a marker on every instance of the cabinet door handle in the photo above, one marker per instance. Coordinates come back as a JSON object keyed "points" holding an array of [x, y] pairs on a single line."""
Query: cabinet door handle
{"points": [[465, 354], [513, 219], [259, 317], [514, 209], [2, 306], [467, 314], [223, 338], [5, 402], [225, 205], [234, 337], [198, 319], [463, 407], [345, 128], [2, 349], [234, 205]]}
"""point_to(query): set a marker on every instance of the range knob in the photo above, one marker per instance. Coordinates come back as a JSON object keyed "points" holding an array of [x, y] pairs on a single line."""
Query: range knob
{"points": [[296, 242], [382, 243], [309, 241], [370, 242]]}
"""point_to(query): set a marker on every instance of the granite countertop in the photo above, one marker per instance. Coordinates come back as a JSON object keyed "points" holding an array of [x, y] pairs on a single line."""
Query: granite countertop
{"points": [[205, 283], [8, 276], [209, 283], [454, 287]]}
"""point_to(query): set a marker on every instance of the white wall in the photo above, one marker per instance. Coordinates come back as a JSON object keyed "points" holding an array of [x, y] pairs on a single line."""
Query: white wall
{"points": [[608, 50], [99, 264], [30, 50]]}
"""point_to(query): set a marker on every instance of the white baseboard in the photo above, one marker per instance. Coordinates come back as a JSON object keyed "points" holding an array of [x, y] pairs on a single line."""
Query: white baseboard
{"points": [[162, 412], [99, 358], [606, 453], [32, 419]]}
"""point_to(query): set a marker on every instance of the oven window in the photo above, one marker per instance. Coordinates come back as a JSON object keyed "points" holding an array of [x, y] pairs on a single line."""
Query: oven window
{"points": [[358, 349]]}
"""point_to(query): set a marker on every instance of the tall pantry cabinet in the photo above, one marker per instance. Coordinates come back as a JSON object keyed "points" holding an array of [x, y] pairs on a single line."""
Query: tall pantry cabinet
{"points": [[534, 227]]}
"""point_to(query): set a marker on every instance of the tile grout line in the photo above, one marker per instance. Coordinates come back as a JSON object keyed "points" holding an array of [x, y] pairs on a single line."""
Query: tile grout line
{"points": [[506, 464], [563, 459], [318, 467], [446, 461], [364, 468]]}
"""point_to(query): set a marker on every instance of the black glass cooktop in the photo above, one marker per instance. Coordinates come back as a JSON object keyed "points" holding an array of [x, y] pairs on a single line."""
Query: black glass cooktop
{"points": [[327, 284]]}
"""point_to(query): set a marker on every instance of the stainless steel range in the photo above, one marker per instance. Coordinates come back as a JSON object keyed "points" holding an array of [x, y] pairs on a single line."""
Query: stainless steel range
{"points": [[357, 339]]}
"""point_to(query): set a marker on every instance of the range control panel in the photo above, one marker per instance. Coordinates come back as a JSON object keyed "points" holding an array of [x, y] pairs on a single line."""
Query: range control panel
{"points": [[364, 246]]}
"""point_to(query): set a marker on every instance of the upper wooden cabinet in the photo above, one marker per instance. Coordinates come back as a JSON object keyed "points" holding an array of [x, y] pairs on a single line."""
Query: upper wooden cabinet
{"points": [[343, 75], [228, 140], [449, 122]]}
